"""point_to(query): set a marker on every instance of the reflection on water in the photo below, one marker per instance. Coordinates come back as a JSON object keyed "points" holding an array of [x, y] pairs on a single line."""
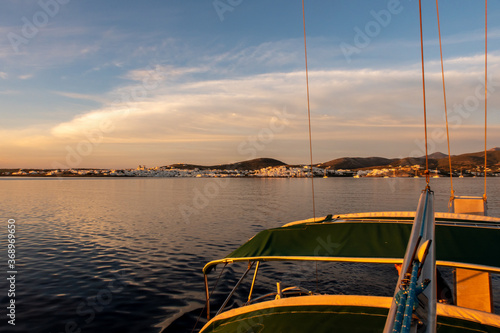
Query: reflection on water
{"points": [[106, 255]]}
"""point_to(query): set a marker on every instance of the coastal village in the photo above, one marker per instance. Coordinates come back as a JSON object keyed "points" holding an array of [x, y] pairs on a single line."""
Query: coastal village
{"points": [[465, 165], [282, 171]]}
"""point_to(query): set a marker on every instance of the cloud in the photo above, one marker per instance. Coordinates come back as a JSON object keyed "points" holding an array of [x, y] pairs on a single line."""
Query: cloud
{"points": [[57, 45], [465, 64], [9, 92], [234, 108], [72, 95], [493, 33], [159, 73], [190, 110], [3, 75]]}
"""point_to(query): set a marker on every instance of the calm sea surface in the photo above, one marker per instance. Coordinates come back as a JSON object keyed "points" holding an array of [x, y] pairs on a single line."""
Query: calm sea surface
{"points": [[125, 255]]}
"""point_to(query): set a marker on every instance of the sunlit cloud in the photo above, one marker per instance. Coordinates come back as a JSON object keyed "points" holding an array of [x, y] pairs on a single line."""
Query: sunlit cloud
{"points": [[154, 94], [470, 37], [73, 95], [388, 102]]}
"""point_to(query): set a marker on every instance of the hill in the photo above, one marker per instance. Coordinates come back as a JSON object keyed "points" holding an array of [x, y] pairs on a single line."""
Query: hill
{"points": [[254, 164], [436, 156], [471, 160], [436, 160], [356, 162]]}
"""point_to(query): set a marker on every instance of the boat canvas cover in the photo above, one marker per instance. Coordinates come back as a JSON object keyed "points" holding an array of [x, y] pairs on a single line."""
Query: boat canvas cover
{"points": [[344, 313], [370, 241]]}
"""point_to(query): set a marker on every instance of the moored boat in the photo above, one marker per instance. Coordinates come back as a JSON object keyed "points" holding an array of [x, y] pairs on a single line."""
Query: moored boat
{"points": [[469, 243], [418, 243]]}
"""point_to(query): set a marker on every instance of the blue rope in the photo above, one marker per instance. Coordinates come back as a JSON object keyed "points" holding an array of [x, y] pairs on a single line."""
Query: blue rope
{"points": [[411, 299], [422, 287], [405, 298], [401, 297]]}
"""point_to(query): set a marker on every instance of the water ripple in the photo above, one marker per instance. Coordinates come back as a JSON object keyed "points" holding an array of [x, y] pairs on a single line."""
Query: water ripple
{"points": [[118, 255]]}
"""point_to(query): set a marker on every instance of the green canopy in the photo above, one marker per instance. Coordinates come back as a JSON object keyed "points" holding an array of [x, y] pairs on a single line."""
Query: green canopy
{"points": [[323, 318], [338, 313], [464, 245]]}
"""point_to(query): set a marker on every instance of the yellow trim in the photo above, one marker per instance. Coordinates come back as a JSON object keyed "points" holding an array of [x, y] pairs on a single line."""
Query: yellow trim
{"points": [[412, 214], [401, 214], [335, 300], [444, 310], [301, 258], [454, 264], [348, 259], [311, 220], [347, 300], [452, 311], [377, 214]]}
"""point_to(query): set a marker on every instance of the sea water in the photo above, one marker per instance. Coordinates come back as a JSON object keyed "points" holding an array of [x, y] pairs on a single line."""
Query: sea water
{"points": [[125, 254]]}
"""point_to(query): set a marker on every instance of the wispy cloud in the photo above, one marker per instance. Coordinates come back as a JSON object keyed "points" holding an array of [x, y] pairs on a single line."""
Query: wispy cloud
{"points": [[188, 100], [493, 33], [9, 92], [73, 95], [235, 108]]}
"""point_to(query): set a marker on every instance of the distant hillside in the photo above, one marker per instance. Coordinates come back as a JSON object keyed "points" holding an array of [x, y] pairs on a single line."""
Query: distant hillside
{"points": [[471, 160], [436, 156], [356, 162], [254, 164], [436, 160], [409, 161], [186, 166]]}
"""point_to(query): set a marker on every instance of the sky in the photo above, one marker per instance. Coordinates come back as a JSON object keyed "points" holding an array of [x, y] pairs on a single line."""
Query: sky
{"points": [[122, 83]]}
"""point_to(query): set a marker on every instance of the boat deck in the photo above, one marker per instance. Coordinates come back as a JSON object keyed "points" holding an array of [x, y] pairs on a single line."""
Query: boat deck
{"points": [[344, 313]]}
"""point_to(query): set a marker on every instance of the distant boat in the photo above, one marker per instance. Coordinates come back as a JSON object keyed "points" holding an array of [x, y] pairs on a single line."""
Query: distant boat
{"points": [[436, 174]]}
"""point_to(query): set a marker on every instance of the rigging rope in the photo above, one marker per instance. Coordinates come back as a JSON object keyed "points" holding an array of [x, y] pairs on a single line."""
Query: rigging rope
{"points": [[308, 111], [423, 89], [485, 91], [445, 105]]}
